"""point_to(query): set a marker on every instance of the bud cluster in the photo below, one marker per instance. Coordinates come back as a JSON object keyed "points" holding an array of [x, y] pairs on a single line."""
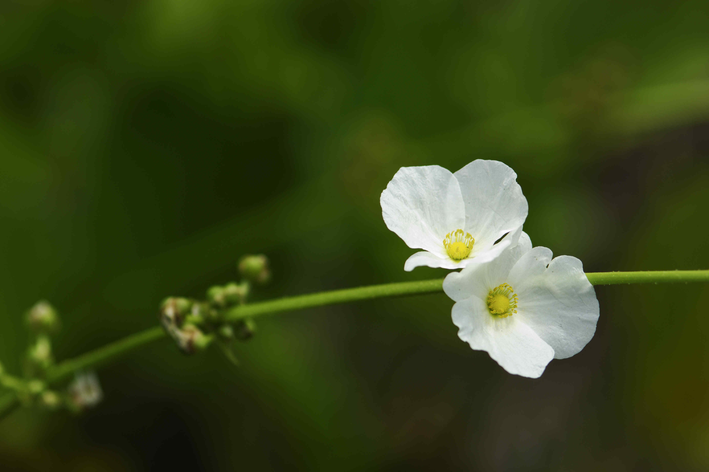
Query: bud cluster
{"points": [[181, 318], [229, 295], [32, 389], [43, 321], [194, 324]]}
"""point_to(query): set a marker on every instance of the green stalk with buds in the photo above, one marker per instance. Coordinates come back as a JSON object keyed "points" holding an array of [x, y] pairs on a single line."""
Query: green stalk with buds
{"points": [[222, 318]]}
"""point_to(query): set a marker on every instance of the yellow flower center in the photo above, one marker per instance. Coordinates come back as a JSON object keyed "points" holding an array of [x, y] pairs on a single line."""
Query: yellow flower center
{"points": [[458, 244], [502, 301]]}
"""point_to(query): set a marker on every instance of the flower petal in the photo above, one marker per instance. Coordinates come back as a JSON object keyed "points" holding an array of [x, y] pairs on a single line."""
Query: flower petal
{"points": [[470, 282], [513, 344], [479, 277], [494, 203], [423, 204], [529, 265], [524, 244], [511, 240], [428, 259], [556, 300]]}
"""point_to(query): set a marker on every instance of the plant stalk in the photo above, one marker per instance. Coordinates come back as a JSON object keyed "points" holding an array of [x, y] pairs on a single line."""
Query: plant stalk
{"points": [[120, 348]]}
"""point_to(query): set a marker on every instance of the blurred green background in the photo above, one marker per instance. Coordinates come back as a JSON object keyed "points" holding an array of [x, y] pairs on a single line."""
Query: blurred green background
{"points": [[146, 145]]}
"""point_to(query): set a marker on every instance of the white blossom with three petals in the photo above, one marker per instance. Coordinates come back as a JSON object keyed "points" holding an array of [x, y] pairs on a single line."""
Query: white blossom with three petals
{"points": [[524, 308], [455, 218]]}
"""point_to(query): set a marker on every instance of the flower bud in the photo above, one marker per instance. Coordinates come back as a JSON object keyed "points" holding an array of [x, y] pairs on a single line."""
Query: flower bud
{"points": [[194, 340], [173, 310], [35, 387], [189, 338], [255, 268], [43, 318], [225, 332], [235, 294], [200, 310], [85, 391], [201, 313], [39, 354], [245, 329], [216, 296], [50, 400]]}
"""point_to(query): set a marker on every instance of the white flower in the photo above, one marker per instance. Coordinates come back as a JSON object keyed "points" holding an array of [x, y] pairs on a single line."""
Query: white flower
{"points": [[455, 218], [85, 391], [524, 308]]}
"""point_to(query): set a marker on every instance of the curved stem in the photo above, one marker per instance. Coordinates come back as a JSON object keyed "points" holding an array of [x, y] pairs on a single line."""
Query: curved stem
{"points": [[115, 350], [436, 285], [92, 359], [334, 297], [102, 355]]}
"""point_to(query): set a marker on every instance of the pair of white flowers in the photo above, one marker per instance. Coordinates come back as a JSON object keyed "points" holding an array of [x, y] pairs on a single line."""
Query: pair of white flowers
{"points": [[513, 301]]}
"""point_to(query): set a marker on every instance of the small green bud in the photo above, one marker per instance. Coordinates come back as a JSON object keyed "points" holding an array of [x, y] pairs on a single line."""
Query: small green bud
{"points": [[194, 320], [40, 353], [50, 400], [245, 329], [200, 309], [225, 332], [189, 338], [194, 340], [43, 318], [216, 296], [236, 294], [35, 387], [200, 313], [255, 268]]}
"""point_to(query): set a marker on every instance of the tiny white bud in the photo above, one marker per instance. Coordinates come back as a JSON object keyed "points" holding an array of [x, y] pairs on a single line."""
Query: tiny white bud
{"points": [[85, 391]]}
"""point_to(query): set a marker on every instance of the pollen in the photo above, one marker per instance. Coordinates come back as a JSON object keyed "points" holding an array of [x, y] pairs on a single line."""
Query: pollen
{"points": [[458, 244], [502, 301]]}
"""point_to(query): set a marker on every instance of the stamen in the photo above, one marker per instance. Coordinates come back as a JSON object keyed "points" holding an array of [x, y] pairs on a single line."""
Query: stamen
{"points": [[502, 301], [458, 244]]}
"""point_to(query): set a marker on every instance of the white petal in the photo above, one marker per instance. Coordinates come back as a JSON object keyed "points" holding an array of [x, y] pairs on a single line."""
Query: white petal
{"points": [[423, 204], [557, 302], [480, 275], [425, 258], [494, 203], [528, 266], [470, 282], [524, 243], [511, 240], [514, 345]]}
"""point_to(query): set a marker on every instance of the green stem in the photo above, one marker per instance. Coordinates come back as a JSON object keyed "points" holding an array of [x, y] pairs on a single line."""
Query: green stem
{"points": [[436, 285], [335, 297], [117, 349], [648, 277], [10, 382], [92, 359], [104, 354]]}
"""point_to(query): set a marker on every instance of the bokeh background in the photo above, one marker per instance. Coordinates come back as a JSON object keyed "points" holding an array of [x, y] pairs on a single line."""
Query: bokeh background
{"points": [[146, 145]]}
